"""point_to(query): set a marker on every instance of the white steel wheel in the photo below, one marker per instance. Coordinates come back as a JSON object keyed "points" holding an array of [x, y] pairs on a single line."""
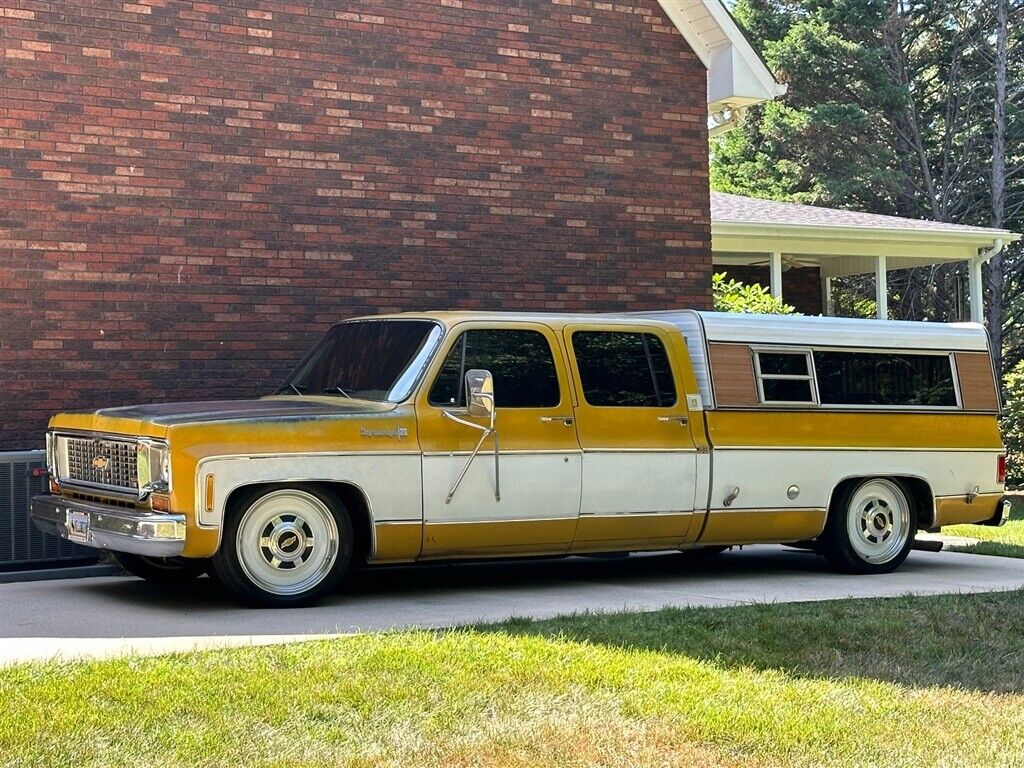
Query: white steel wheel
{"points": [[284, 547], [878, 521], [287, 542], [870, 528]]}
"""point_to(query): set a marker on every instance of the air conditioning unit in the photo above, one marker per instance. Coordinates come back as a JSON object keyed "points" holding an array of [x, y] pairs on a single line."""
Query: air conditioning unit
{"points": [[22, 545]]}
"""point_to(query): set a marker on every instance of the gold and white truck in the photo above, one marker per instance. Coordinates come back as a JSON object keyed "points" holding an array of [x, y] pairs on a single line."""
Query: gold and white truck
{"points": [[434, 436]]}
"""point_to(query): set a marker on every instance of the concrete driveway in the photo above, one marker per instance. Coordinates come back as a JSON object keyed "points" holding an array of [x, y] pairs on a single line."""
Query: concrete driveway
{"points": [[109, 616]]}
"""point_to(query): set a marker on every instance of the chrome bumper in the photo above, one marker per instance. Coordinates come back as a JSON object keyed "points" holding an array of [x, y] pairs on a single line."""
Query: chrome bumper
{"points": [[1002, 513], [155, 534]]}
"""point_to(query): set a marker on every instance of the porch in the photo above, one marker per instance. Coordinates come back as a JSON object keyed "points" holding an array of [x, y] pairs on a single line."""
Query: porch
{"points": [[797, 250]]}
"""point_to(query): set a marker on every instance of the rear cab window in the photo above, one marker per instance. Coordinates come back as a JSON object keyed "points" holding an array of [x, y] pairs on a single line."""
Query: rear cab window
{"points": [[623, 369]]}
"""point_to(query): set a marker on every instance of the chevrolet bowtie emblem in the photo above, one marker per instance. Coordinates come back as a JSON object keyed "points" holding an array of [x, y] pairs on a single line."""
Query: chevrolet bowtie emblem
{"points": [[101, 462]]}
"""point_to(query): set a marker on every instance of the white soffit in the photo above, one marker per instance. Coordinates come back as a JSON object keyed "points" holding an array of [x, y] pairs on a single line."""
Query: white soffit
{"points": [[737, 77]]}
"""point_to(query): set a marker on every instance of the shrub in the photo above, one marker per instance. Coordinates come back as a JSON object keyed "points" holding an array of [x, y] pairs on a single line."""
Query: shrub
{"points": [[1012, 425], [734, 296]]}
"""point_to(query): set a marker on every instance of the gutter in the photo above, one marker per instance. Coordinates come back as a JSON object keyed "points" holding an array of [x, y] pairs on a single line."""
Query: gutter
{"points": [[986, 255]]}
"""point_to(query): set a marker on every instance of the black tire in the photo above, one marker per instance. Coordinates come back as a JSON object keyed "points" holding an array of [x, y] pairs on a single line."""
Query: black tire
{"points": [[870, 527], [162, 570], [260, 582]]}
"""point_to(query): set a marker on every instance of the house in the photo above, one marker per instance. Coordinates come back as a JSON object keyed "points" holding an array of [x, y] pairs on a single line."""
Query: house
{"points": [[192, 191]]}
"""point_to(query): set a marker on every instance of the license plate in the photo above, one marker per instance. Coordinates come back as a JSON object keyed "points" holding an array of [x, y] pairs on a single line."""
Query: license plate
{"points": [[78, 526]]}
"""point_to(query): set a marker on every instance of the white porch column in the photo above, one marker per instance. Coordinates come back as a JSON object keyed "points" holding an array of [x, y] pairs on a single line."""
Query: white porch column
{"points": [[881, 288], [776, 275], [827, 308], [977, 294]]}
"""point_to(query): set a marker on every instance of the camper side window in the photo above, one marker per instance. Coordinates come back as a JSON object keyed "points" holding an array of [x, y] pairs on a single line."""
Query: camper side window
{"points": [[785, 377]]}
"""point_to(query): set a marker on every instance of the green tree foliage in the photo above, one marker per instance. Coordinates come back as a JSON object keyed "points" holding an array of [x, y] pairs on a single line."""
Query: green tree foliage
{"points": [[734, 296], [1013, 426], [890, 110]]}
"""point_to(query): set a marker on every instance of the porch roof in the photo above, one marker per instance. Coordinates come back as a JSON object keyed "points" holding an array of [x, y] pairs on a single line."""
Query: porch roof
{"points": [[744, 230], [751, 231]]}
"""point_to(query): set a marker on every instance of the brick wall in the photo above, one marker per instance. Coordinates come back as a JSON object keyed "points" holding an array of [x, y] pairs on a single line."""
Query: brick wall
{"points": [[801, 286], [191, 192]]}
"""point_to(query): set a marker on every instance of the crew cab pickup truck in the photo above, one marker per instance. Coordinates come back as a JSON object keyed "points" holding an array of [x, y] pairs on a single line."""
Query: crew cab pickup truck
{"points": [[435, 436]]}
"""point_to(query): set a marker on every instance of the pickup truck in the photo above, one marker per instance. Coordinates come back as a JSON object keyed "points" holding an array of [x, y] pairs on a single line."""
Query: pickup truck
{"points": [[436, 436]]}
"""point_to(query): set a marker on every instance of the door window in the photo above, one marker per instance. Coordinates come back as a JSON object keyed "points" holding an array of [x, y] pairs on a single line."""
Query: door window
{"points": [[520, 361], [620, 369]]}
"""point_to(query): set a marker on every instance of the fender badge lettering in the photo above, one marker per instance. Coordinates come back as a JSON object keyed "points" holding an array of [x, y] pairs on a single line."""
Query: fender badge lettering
{"points": [[395, 433]]}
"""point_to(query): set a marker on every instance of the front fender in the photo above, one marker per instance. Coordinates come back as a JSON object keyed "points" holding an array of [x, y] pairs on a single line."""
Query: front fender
{"points": [[390, 482]]}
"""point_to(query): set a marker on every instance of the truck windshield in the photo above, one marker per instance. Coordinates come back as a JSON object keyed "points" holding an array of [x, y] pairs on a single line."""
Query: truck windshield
{"points": [[366, 359]]}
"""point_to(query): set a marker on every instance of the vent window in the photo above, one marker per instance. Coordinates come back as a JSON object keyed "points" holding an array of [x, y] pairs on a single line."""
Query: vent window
{"points": [[785, 377]]}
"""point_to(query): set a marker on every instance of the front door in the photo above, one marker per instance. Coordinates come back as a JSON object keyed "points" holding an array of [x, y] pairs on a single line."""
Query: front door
{"points": [[531, 504], [639, 458]]}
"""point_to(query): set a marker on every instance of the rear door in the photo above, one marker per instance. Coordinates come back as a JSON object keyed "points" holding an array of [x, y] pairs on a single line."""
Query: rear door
{"points": [[632, 422]]}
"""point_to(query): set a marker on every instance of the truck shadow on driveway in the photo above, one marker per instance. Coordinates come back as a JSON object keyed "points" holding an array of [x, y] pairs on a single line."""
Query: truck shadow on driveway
{"points": [[955, 640], [490, 590]]}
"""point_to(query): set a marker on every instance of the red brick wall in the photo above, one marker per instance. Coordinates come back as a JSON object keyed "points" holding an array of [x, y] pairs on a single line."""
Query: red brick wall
{"points": [[191, 192], [801, 286]]}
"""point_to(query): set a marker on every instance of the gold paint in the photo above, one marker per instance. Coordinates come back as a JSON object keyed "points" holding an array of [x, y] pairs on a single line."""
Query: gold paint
{"points": [[632, 532], [199, 542], [747, 526], [953, 510], [867, 429], [397, 542], [504, 537]]}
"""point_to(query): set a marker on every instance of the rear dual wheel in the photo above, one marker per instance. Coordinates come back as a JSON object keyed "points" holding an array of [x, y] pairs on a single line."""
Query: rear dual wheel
{"points": [[284, 547], [870, 528]]}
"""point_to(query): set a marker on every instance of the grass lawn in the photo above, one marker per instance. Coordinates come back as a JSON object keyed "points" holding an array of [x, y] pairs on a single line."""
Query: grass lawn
{"points": [[935, 681], [1007, 541]]}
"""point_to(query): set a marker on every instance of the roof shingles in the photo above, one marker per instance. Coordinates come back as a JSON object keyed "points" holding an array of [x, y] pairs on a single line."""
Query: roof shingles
{"points": [[738, 209]]}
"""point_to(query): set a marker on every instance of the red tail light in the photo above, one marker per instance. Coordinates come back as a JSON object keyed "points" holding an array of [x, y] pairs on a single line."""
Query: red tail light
{"points": [[1001, 469]]}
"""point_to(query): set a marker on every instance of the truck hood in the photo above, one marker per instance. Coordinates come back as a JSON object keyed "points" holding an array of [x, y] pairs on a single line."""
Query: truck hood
{"points": [[153, 420]]}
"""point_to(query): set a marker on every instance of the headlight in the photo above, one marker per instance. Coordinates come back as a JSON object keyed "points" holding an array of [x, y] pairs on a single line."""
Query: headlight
{"points": [[154, 466]]}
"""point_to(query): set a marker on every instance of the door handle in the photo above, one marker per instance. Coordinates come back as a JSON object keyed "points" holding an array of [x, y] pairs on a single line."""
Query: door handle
{"points": [[683, 420], [566, 420]]}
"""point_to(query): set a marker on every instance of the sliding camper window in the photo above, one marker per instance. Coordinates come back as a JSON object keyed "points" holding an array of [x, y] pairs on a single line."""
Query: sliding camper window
{"points": [[899, 379], [784, 376], [624, 369]]}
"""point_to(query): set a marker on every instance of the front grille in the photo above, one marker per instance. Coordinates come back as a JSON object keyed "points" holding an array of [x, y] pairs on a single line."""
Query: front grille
{"points": [[101, 462]]}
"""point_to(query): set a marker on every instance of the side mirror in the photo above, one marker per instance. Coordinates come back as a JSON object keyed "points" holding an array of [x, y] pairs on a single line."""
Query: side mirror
{"points": [[480, 386]]}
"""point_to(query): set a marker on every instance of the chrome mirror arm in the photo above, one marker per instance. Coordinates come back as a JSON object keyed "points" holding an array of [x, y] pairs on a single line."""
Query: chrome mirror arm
{"points": [[487, 431]]}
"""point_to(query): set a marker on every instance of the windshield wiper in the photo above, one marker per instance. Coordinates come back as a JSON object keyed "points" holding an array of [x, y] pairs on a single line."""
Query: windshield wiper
{"points": [[290, 386], [339, 390]]}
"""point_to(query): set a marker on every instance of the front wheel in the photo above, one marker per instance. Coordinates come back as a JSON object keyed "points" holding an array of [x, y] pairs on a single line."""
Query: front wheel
{"points": [[286, 547], [870, 527]]}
